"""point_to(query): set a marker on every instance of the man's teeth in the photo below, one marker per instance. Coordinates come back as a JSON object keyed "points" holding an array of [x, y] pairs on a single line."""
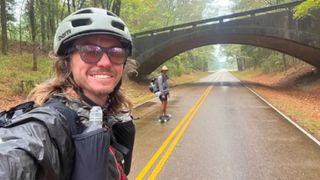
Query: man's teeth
{"points": [[101, 76]]}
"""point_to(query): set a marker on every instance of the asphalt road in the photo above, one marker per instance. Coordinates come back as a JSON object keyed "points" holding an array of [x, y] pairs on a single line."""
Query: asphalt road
{"points": [[220, 130]]}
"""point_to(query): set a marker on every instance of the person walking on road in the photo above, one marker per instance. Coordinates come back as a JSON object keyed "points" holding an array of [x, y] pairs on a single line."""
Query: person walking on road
{"points": [[162, 81], [91, 47]]}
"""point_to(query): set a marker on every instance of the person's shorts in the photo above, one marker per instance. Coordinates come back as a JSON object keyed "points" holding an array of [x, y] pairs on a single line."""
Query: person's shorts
{"points": [[163, 97]]}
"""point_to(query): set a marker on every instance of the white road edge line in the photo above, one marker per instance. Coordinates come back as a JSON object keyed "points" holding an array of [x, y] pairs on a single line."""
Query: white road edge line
{"points": [[286, 117]]}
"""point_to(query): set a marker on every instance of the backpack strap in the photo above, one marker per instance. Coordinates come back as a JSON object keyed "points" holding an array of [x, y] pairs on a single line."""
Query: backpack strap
{"points": [[111, 121], [69, 114], [124, 150], [72, 117]]}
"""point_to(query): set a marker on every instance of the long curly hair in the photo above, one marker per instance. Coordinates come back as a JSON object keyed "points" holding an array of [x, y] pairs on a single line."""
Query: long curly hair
{"points": [[63, 82]]}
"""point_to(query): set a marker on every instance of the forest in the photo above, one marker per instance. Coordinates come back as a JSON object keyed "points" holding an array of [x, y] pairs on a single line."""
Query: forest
{"points": [[32, 23]]}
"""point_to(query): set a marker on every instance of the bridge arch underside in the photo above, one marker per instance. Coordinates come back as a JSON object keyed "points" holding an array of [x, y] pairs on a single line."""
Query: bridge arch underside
{"points": [[153, 58]]}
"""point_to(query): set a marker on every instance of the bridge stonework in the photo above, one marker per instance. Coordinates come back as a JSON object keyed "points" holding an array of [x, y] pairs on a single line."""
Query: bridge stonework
{"points": [[277, 31]]}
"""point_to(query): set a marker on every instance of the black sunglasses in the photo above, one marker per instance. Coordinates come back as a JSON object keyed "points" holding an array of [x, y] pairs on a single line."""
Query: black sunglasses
{"points": [[92, 54]]}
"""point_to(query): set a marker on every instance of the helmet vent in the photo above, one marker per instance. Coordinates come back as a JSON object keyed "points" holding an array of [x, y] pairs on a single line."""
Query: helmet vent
{"points": [[111, 14], [118, 25], [86, 11], [81, 22]]}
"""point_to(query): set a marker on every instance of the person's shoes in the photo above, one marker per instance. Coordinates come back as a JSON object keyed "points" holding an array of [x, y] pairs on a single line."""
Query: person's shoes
{"points": [[161, 118], [167, 116]]}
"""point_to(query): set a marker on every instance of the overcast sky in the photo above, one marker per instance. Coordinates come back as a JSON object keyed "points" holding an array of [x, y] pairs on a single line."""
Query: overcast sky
{"points": [[217, 8]]}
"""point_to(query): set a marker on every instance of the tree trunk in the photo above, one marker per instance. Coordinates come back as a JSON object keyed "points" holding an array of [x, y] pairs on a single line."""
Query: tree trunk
{"points": [[20, 28], [246, 64], [285, 67], [42, 22], [240, 63], [69, 8], [108, 4], [103, 5], [62, 10], [51, 20], [4, 35], [54, 18], [74, 5], [33, 34], [116, 7], [81, 4], [94, 3]]}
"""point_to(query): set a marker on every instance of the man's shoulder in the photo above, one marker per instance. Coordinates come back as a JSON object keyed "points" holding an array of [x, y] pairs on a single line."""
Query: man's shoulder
{"points": [[160, 76]]}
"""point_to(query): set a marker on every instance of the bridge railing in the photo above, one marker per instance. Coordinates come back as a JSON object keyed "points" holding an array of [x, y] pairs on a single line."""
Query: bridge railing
{"points": [[219, 19]]}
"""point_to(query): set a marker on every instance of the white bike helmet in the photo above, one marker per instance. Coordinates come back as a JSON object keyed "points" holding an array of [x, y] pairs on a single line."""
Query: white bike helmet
{"points": [[90, 21]]}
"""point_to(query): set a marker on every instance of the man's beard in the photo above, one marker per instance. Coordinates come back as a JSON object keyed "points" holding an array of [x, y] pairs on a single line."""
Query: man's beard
{"points": [[103, 93]]}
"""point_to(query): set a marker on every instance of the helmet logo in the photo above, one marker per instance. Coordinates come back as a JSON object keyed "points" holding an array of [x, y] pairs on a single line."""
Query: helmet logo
{"points": [[63, 35]]}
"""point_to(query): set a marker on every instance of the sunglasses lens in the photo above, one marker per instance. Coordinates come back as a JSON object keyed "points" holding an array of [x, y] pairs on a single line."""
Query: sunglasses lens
{"points": [[117, 55], [90, 54]]}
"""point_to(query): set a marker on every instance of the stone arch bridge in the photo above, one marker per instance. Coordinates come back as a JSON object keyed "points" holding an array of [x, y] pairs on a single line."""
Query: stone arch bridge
{"points": [[272, 27]]}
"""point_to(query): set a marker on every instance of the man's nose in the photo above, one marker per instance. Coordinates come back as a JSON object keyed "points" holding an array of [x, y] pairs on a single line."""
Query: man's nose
{"points": [[104, 61]]}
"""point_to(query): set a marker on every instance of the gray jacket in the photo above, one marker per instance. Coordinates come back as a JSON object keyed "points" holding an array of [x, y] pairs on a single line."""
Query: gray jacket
{"points": [[162, 81]]}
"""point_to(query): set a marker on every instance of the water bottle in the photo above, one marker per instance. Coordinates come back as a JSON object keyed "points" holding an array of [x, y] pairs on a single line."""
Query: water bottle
{"points": [[95, 119]]}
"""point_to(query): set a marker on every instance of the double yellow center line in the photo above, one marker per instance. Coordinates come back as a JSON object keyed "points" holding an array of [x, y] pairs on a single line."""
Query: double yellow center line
{"points": [[184, 124]]}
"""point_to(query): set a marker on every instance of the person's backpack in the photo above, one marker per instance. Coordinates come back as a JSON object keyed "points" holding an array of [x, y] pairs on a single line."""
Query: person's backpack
{"points": [[98, 155], [6, 116], [153, 85]]}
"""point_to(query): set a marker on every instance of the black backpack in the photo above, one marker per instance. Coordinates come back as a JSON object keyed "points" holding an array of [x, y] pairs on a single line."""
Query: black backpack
{"points": [[6, 116], [98, 155]]}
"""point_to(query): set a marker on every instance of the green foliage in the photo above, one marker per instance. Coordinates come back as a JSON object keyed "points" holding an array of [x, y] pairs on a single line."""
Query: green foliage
{"points": [[272, 63], [142, 15], [9, 10], [305, 8], [244, 5], [176, 66], [190, 61], [258, 58], [139, 15]]}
